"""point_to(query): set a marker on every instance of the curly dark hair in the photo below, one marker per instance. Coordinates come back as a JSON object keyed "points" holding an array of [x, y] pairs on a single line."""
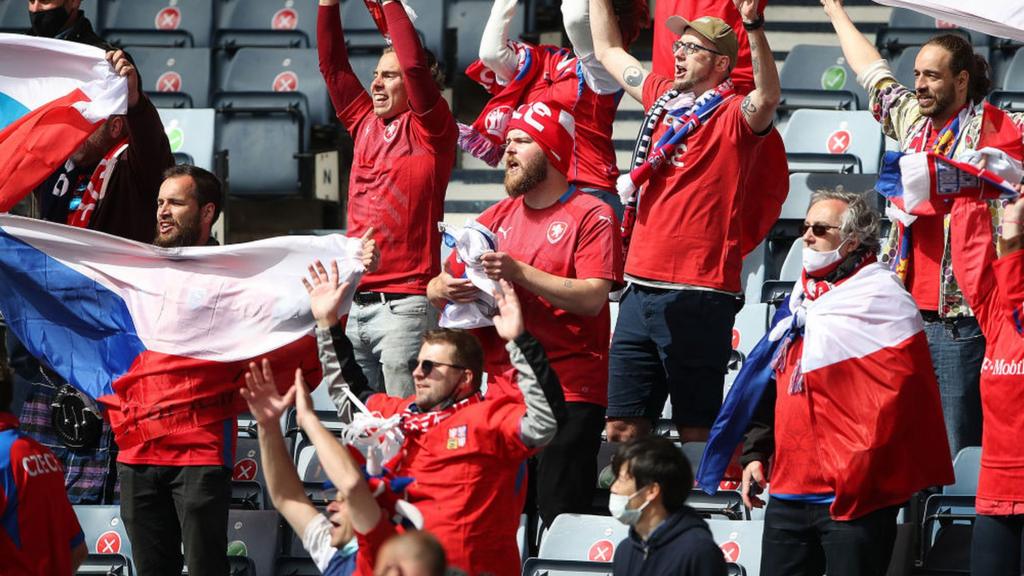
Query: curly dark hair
{"points": [[963, 57]]}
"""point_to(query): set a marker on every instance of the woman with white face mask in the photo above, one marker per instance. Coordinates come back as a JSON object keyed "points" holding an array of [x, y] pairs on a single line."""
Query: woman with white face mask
{"points": [[652, 481]]}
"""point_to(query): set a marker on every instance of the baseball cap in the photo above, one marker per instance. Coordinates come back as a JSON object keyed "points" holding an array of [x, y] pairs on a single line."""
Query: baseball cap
{"points": [[551, 126], [714, 29]]}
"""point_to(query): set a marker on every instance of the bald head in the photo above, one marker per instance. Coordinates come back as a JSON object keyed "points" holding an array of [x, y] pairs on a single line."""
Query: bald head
{"points": [[415, 553]]}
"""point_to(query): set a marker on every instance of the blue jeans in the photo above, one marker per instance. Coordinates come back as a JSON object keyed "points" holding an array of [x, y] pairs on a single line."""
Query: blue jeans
{"points": [[958, 348], [386, 336]]}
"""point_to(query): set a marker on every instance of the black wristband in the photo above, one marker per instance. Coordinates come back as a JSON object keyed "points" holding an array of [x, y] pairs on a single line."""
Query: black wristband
{"points": [[755, 25]]}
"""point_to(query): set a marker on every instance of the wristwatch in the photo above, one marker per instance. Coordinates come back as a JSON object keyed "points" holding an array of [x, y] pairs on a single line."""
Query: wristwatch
{"points": [[755, 25]]}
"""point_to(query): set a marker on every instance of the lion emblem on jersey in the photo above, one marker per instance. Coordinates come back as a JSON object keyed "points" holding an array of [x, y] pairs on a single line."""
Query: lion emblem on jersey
{"points": [[556, 231], [497, 120], [391, 130]]}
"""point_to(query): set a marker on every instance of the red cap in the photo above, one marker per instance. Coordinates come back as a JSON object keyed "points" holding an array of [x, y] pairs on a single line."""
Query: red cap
{"points": [[550, 126]]}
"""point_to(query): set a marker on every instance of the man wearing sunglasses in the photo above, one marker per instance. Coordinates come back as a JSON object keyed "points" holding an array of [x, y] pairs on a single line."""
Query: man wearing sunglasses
{"points": [[466, 453], [851, 394], [695, 217]]}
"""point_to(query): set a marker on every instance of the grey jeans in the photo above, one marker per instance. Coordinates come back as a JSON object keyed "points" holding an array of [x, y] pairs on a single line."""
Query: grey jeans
{"points": [[386, 336]]}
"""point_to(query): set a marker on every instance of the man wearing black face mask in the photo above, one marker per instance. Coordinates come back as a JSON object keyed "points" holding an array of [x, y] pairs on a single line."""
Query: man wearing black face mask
{"points": [[62, 19]]}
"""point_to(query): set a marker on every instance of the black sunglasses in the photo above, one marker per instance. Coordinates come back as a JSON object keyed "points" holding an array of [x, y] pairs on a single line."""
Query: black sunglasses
{"points": [[429, 365], [818, 230]]}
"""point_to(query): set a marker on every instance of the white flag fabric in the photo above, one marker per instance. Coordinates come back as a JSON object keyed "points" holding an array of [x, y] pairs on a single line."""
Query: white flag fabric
{"points": [[1002, 18]]}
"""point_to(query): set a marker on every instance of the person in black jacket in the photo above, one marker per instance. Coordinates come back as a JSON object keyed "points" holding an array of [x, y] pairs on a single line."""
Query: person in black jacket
{"points": [[62, 19], [652, 481]]}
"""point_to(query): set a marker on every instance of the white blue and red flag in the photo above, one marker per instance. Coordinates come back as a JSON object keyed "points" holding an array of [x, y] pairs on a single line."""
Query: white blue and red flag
{"points": [[874, 401], [53, 95], [162, 336], [925, 183]]}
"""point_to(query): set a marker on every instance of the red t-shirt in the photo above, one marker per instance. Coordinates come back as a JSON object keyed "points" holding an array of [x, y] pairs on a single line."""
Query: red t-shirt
{"points": [[576, 237], [38, 526], [370, 545], [927, 244], [796, 467], [210, 445], [562, 81], [689, 226], [469, 472], [400, 168]]}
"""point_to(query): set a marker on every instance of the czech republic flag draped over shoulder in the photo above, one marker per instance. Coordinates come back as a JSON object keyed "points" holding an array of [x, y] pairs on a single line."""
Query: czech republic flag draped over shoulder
{"points": [[53, 95], [162, 336]]}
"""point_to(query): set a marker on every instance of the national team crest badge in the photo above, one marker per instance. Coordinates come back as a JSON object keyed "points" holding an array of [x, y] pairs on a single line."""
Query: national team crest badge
{"points": [[556, 231], [391, 130], [456, 438], [497, 120]]}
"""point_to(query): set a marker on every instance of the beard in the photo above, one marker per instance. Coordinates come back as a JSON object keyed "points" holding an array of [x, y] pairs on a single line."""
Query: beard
{"points": [[530, 175], [941, 102], [185, 233]]}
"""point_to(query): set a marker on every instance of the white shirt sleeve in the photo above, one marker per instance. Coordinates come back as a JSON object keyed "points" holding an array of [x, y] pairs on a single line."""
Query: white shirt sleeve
{"points": [[317, 541], [597, 78]]}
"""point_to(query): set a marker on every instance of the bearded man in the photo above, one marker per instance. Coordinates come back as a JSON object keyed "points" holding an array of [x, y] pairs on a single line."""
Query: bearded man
{"points": [[560, 248]]}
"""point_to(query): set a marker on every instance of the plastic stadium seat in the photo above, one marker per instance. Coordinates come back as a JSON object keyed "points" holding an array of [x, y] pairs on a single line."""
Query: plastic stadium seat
{"points": [[802, 184], [753, 273], [547, 567], [281, 23], [909, 28], [468, 18], [191, 132], [175, 77], [105, 534], [740, 542], [255, 534], [582, 537], [792, 266], [157, 22], [14, 16], [832, 141], [750, 325], [279, 70], [105, 565], [1011, 97], [819, 77], [724, 504]]}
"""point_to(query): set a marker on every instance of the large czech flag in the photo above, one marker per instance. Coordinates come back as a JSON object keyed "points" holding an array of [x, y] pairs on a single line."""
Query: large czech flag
{"points": [[873, 398], [53, 95], [161, 336]]}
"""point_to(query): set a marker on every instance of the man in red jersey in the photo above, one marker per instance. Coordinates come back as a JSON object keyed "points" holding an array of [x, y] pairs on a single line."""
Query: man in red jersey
{"points": [[39, 534], [405, 142], [697, 217], [561, 249], [572, 78], [466, 453]]}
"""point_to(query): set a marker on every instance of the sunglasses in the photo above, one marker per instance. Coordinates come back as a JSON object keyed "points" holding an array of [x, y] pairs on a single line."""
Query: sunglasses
{"points": [[689, 48], [428, 365], [818, 230]]}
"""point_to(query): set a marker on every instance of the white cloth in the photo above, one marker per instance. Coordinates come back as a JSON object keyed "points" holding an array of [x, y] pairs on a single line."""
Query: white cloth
{"points": [[471, 242], [316, 539]]}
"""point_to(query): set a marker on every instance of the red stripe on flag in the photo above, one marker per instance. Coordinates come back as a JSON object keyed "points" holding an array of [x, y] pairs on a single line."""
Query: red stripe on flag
{"points": [[38, 143], [165, 394]]}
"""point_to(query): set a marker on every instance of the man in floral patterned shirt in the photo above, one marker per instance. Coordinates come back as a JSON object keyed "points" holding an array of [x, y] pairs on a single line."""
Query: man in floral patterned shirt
{"points": [[939, 113]]}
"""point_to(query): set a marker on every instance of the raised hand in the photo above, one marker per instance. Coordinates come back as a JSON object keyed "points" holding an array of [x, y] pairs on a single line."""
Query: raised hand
{"points": [[747, 9], [124, 68], [509, 321], [265, 403], [832, 7], [303, 402], [325, 294]]}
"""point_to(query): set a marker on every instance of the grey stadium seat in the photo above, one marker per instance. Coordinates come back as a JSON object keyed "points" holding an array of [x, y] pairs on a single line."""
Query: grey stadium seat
{"points": [[829, 137], [278, 70], [909, 28], [175, 77], [104, 531], [255, 534], [280, 23], [1011, 97], [468, 18], [740, 542], [582, 537], [818, 77], [949, 517], [156, 23]]}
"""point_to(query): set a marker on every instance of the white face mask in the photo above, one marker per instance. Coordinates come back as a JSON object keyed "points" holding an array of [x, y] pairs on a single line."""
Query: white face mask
{"points": [[814, 260], [617, 506]]}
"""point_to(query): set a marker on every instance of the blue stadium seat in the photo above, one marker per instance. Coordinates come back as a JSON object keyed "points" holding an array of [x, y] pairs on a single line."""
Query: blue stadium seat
{"points": [[819, 77], [156, 23], [468, 18], [1011, 97], [255, 534], [175, 77], [909, 28], [266, 23], [263, 137], [833, 141], [105, 534]]}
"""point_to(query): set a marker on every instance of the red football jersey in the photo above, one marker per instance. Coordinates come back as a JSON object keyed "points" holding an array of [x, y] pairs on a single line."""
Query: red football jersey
{"points": [[563, 82], [576, 237], [210, 445], [39, 528], [689, 221], [469, 472]]}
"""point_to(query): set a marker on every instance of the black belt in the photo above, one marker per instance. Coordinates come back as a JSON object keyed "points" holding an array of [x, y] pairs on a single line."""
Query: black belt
{"points": [[364, 298], [933, 316]]}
